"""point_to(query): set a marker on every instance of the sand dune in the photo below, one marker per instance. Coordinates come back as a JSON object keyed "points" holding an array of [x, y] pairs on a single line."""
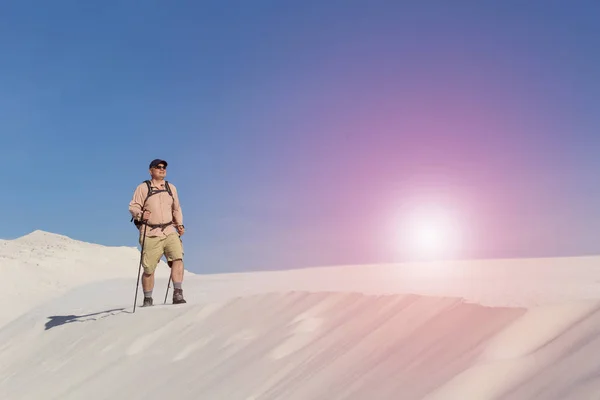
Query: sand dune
{"points": [[42, 265], [371, 332]]}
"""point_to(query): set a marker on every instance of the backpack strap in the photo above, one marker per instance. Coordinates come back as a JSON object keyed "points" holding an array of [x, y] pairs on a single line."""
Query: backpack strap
{"points": [[147, 182], [168, 188], [151, 193]]}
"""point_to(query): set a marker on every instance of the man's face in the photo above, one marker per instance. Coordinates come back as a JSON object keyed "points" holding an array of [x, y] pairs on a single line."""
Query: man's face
{"points": [[158, 172]]}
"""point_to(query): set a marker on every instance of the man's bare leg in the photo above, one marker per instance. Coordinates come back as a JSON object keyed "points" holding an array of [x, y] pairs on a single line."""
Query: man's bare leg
{"points": [[148, 285], [177, 271], [147, 282], [177, 277]]}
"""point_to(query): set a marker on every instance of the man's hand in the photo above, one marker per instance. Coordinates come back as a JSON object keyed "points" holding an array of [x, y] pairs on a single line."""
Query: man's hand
{"points": [[180, 230], [146, 215]]}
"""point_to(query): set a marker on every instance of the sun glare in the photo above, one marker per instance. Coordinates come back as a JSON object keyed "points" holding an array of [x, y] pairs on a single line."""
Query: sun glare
{"points": [[431, 232], [429, 238]]}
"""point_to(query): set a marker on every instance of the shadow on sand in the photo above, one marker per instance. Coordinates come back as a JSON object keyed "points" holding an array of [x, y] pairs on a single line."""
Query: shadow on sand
{"points": [[57, 320]]}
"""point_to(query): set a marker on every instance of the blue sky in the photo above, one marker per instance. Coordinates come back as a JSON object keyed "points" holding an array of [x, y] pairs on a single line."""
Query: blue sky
{"points": [[297, 133]]}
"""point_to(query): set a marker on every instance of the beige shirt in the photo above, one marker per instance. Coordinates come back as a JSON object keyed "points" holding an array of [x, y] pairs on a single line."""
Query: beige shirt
{"points": [[163, 208]]}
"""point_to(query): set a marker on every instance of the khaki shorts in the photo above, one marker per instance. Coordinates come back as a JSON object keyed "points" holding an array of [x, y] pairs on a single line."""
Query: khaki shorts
{"points": [[157, 246]]}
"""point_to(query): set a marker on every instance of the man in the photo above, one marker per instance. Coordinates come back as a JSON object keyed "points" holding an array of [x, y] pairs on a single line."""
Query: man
{"points": [[161, 214]]}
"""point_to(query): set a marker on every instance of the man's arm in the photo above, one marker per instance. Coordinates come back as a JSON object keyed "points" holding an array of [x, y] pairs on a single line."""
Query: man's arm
{"points": [[137, 202], [177, 213]]}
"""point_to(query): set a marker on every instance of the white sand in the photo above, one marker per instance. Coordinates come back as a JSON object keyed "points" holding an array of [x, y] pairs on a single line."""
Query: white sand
{"points": [[40, 266], [505, 329]]}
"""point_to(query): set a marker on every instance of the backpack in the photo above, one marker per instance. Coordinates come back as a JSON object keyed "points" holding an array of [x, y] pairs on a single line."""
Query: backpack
{"points": [[151, 193]]}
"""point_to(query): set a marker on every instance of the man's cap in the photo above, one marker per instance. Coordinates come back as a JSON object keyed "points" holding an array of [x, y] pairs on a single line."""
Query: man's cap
{"points": [[156, 162]]}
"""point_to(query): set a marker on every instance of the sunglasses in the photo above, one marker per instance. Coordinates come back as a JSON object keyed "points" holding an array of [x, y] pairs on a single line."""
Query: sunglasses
{"points": [[160, 167]]}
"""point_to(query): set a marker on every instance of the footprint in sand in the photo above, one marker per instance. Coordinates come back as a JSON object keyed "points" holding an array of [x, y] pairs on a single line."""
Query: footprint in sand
{"points": [[234, 343], [108, 348], [238, 341], [206, 311], [191, 348], [303, 333], [143, 342]]}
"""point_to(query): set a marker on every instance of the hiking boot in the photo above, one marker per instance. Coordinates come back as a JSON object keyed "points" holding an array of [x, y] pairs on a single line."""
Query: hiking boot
{"points": [[178, 296], [147, 301]]}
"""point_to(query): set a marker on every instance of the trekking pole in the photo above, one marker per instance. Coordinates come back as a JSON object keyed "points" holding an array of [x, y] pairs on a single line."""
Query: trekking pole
{"points": [[140, 268], [166, 294]]}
